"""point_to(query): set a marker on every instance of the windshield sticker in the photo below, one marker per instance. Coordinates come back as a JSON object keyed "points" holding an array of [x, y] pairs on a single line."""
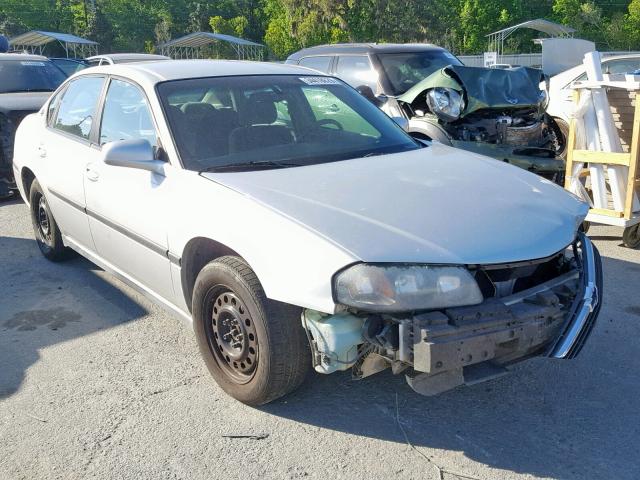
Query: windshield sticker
{"points": [[320, 80], [33, 64]]}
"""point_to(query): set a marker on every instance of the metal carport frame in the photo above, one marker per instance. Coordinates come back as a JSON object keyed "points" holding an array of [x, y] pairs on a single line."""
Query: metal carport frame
{"points": [[35, 41], [192, 45], [554, 30]]}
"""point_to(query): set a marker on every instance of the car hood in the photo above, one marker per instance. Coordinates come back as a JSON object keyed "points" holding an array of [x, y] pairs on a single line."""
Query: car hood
{"points": [[485, 87], [22, 101], [433, 205]]}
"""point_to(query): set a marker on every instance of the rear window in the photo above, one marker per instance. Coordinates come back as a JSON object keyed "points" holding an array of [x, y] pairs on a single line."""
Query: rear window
{"points": [[29, 76]]}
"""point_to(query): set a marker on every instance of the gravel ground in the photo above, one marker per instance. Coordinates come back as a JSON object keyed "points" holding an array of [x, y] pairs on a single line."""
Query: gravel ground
{"points": [[97, 382]]}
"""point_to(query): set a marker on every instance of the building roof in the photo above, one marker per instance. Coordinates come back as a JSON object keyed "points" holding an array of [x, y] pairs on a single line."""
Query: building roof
{"points": [[35, 38]]}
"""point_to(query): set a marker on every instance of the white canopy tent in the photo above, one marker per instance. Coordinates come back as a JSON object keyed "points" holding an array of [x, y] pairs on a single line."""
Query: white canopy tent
{"points": [[35, 41], [192, 45]]}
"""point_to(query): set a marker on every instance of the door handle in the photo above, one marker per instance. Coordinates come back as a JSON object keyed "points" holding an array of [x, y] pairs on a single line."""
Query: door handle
{"points": [[92, 174], [42, 151]]}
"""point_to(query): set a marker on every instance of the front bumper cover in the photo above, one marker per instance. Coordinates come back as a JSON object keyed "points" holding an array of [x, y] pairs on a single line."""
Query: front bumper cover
{"points": [[552, 319]]}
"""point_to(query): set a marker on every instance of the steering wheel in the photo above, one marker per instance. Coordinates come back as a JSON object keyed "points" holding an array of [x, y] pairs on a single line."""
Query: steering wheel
{"points": [[330, 121]]}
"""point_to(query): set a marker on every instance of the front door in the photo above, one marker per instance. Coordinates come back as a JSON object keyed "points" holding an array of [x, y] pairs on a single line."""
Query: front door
{"points": [[127, 207]]}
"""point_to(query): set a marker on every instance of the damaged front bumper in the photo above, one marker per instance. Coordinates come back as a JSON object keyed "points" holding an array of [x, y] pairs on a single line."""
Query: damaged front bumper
{"points": [[469, 344], [444, 349]]}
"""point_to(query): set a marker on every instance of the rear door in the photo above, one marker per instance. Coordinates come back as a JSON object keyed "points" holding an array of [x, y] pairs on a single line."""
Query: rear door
{"points": [[322, 63], [66, 149], [356, 70], [127, 207]]}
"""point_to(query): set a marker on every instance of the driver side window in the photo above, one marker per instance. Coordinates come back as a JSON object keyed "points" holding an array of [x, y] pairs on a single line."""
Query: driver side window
{"points": [[126, 115]]}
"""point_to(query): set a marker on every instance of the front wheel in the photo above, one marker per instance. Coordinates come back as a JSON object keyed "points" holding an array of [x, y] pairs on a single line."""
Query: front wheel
{"points": [[255, 348]]}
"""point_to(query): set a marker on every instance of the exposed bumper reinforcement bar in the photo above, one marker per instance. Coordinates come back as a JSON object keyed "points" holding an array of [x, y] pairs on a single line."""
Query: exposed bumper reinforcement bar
{"points": [[585, 308]]}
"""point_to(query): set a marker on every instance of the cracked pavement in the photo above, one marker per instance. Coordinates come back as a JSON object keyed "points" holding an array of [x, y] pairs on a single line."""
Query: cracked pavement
{"points": [[97, 382]]}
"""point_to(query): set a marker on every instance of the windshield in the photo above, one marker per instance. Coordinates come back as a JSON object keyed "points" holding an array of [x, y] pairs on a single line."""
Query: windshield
{"points": [[29, 76], [404, 70], [273, 121], [69, 67]]}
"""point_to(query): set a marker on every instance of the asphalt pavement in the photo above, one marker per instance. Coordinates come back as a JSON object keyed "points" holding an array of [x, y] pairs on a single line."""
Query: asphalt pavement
{"points": [[97, 382]]}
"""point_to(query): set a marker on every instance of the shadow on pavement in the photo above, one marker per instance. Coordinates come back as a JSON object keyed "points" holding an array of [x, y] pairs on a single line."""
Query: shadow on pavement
{"points": [[567, 419], [44, 303]]}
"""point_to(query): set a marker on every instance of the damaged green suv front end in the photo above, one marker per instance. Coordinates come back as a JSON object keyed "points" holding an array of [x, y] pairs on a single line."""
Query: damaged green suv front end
{"points": [[492, 112]]}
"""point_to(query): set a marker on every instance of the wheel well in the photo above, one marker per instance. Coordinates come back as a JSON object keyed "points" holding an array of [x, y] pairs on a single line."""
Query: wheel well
{"points": [[197, 253], [27, 179]]}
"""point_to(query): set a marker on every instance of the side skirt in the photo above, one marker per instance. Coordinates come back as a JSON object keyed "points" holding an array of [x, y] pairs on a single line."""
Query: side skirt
{"points": [[127, 280]]}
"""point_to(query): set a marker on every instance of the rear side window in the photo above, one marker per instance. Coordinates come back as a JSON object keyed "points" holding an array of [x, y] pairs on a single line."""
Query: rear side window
{"points": [[320, 63], [126, 115], [77, 108], [53, 105], [356, 70]]}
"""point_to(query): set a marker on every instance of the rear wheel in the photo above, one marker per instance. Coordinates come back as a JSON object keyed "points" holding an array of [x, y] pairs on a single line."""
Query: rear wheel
{"points": [[254, 348], [48, 235]]}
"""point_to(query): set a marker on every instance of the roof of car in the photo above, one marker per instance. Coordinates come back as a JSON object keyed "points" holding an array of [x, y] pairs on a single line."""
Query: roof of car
{"points": [[363, 48], [129, 56], [21, 56], [150, 73], [569, 74]]}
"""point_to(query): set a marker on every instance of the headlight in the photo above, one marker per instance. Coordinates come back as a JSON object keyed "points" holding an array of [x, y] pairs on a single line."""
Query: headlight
{"points": [[544, 99], [446, 103], [401, 288]]}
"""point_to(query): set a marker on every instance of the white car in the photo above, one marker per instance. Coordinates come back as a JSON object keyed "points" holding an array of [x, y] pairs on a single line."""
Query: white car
{"points": [[561, 96], [232, 194]]}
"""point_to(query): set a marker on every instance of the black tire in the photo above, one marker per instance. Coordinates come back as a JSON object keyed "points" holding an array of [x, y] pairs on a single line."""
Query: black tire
{"points": [[255, 348], [48, 236], [631, 236], [561, 130]]}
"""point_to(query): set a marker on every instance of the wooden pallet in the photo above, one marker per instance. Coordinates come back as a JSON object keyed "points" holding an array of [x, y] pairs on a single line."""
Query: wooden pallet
{"points": [[625, 107]]}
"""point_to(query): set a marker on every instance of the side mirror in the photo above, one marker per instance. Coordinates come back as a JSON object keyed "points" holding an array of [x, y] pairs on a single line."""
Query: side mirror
{"points": [[367, 92], [136, 153], [402, 122]]}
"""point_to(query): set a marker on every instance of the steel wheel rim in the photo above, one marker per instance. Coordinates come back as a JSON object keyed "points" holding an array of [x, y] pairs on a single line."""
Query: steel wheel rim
{"points": [[232, 336], [43, 220]]}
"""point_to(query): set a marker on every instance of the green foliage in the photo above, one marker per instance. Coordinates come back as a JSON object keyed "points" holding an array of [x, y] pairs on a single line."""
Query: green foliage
{"points": [[288, 25]]}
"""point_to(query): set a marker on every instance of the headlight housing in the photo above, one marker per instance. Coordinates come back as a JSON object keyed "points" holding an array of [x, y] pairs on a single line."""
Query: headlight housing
{"points": [[446, 103], [402, 288]]}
